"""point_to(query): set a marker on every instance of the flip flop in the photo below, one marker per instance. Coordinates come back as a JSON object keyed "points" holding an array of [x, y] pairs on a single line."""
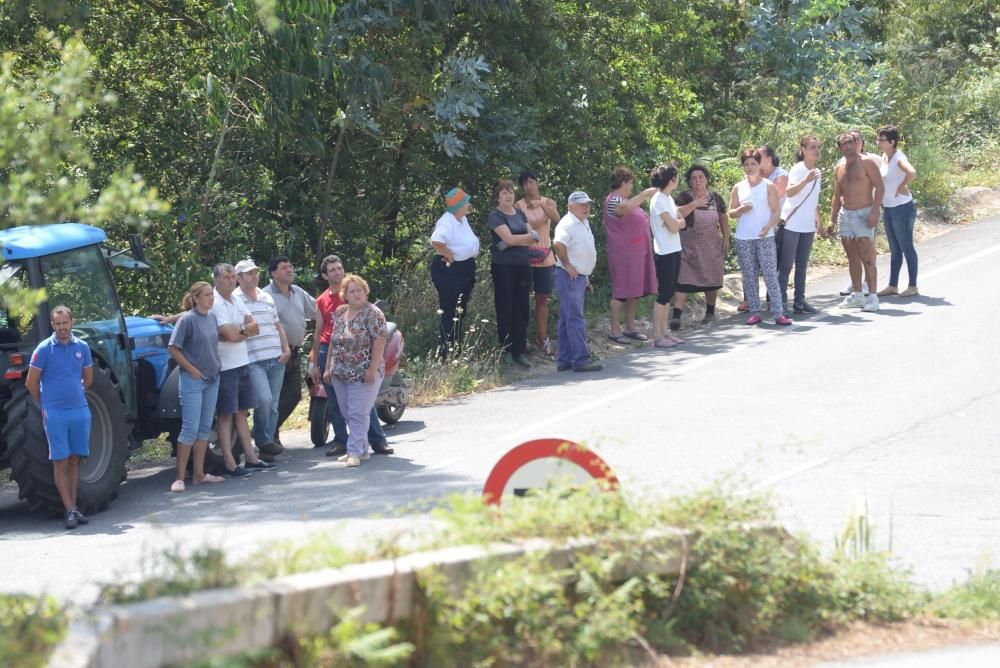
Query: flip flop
{"points": [[620, 340], [636, 336]]}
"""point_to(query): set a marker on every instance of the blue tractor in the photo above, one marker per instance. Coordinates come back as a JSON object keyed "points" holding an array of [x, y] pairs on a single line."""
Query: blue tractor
{"points": [[134, 393]]}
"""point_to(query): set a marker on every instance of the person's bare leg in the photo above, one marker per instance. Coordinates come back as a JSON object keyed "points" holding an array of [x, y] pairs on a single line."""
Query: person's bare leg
{"points": [[183, 453], [854, 263], [660, 312], [73, 477], [868, 253], [198, 463], [630, 308], [243, 431], [60, 472], [224, 432], [710, 297], [616, 317], [541, 316]]}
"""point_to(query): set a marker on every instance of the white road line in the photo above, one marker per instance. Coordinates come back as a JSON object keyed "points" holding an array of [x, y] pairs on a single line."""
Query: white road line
{"points": [[959, 263], [536, 428], [801, 468]]}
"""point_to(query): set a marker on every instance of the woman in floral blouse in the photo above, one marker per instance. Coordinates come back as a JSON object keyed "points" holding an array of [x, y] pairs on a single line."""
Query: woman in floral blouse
{"points": [[355, 365]]}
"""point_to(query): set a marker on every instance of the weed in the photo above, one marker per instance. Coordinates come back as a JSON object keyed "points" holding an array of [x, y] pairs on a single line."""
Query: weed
{"points": [[175, 574]]}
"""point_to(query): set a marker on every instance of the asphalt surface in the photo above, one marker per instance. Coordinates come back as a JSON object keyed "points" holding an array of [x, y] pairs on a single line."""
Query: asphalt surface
{"points": [[895, 411]]}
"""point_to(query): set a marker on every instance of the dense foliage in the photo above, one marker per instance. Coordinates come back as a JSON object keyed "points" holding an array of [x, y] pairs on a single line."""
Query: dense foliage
{"points": [[304, 126]]}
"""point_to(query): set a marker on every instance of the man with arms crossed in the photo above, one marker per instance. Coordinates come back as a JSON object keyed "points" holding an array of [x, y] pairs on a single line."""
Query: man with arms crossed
{"points": [[61, 370], [268, 352], [236, 390], [857, 200]]}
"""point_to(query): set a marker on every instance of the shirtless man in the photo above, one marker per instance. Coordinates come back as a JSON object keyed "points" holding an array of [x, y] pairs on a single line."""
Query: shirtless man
{"points": [[878, 161], [857, 198]]}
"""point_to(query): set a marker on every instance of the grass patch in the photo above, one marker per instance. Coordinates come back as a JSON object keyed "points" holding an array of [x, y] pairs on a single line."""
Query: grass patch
{"points": [[29, 629], [979, 598], [153, 452]]}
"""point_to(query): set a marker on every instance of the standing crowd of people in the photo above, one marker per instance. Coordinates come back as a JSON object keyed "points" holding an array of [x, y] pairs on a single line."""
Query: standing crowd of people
{"points": [[239, 347], [677, 248]]}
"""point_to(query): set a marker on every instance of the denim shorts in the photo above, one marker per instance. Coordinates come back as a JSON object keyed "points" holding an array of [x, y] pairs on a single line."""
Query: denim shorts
{"points": [[198, 399], [854, 224], [68, 432]]}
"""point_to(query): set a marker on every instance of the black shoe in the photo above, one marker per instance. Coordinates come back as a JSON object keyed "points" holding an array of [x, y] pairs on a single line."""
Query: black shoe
{"points": [[259, 465], [238, 472], [804, 307], [71, 519], [563, 368], [709, 317], [675, 324], [337, 449], [382, 449], [522, 360], [593, 366], [80, 517]]}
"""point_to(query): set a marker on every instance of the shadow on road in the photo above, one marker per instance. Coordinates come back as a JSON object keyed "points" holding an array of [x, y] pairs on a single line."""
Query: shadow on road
{"points": [[307, 485]]}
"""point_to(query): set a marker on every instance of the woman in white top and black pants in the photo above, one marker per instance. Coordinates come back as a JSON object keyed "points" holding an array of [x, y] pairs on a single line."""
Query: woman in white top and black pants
{"points": [[453, 269], [754, 203], [899, 212], [665, 224]]}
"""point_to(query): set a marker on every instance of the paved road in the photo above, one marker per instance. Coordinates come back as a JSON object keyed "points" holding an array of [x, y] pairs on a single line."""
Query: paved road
{"points": [[898, 408]]}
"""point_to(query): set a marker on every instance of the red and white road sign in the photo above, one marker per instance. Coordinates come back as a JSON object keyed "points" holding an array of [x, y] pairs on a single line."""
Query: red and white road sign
{"points": [[533, 464]]}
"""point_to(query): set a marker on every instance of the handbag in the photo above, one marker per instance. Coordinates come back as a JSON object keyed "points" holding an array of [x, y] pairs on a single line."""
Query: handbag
{"points": [[781, 222], [538, 254]]}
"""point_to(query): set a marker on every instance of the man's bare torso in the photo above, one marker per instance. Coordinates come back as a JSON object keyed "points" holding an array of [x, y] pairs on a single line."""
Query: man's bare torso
{"points": [[856, 185]]}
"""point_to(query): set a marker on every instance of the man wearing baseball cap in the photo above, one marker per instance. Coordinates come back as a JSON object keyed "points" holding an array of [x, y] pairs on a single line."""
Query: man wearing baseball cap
{"points": [[268, 352], [576, 257]]}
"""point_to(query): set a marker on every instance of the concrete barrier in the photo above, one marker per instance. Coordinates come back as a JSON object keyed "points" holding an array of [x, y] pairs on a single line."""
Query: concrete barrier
{"points": [[176, 630]]}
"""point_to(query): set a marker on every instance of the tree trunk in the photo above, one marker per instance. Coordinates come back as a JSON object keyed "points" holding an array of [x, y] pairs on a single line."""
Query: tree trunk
{"points": [[324, 219], [199, 234]]}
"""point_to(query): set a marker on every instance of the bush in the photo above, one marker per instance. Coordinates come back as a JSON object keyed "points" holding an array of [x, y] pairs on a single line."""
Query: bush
{"points": [[29, 629], [979, 598], [738, 590]]}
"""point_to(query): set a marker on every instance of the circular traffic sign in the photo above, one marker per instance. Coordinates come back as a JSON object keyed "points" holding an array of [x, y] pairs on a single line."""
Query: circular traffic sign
{"points": [[533, 464]]}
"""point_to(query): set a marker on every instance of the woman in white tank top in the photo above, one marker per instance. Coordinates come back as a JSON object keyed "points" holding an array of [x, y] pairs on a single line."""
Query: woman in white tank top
{"points": [[754, 204], [899, 212]]}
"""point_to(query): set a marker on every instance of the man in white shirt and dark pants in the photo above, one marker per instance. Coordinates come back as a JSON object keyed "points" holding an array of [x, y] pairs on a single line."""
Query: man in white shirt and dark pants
{"points": [[576, 256]]}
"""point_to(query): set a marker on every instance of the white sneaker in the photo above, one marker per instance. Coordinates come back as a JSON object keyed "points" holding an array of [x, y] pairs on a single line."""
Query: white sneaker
{"points": [[871, 304], [853, 300]]}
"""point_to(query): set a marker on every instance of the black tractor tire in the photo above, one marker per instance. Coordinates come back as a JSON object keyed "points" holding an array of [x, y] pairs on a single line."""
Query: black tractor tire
{"points": [[215, 463], [100, 474], [318, 426]]}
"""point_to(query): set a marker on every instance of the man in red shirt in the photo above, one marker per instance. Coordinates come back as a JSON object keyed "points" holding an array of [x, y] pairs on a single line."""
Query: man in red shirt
{"points": [[331, 269]]}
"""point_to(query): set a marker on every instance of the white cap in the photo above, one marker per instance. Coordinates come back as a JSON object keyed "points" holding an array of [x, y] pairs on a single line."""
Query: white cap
{"points": [[245, 266], [578, 197]]}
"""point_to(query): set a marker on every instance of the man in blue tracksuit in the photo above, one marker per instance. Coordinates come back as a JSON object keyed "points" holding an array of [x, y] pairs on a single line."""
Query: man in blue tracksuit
{"points": [[61, 370]]}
